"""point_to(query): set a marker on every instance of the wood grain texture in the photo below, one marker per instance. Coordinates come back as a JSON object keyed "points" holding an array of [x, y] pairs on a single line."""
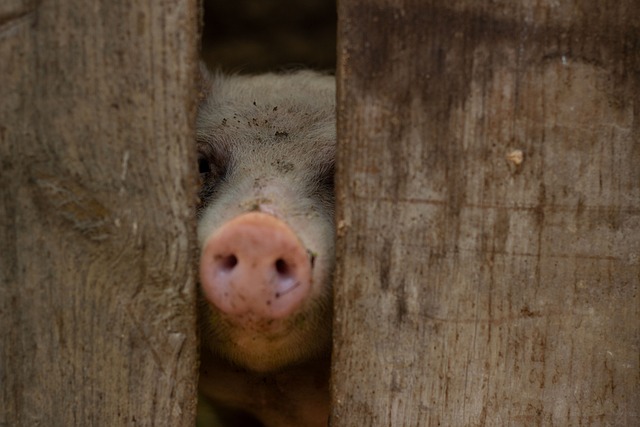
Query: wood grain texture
{"points": [[97, 286], [488, 214]]}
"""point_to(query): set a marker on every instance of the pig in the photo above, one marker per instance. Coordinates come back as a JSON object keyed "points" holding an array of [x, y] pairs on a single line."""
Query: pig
{"points": [[266, 154]]}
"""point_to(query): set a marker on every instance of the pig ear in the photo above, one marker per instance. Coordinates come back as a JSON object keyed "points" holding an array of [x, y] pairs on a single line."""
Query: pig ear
{"points": [[205, 80]]}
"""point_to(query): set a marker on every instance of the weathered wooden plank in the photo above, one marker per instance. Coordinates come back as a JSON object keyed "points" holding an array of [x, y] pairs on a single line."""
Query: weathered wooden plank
{"points": [[488, 214], [97, 286]]}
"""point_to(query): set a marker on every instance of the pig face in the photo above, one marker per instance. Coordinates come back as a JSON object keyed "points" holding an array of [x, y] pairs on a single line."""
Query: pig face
{"points": [[265, 221]]}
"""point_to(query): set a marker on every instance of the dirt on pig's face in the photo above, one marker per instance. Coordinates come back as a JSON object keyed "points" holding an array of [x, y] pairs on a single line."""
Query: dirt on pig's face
{"points": [[267, 145]]}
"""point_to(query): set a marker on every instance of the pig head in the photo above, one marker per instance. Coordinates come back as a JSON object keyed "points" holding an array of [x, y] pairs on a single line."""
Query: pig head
{"points": [[266, 149]]}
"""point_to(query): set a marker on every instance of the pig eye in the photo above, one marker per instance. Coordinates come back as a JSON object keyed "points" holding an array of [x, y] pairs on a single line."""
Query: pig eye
{"points": [[203, 165], [213, 162]]}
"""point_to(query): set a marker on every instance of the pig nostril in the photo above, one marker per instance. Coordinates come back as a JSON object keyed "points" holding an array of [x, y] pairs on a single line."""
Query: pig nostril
{"points": [[286, 277], [281, 267], [228, 262]]}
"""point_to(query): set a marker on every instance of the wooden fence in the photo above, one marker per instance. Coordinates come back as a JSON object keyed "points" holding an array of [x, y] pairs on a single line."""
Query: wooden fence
{"points": [[489, 214], [96, 215]]}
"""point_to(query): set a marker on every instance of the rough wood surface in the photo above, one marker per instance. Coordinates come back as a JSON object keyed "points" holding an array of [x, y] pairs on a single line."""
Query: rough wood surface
{"points": [[97, 287], [488, 214]]}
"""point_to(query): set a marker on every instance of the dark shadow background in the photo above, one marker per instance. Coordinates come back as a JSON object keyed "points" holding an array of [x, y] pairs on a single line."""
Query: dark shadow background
{"points": [[250, 36]]}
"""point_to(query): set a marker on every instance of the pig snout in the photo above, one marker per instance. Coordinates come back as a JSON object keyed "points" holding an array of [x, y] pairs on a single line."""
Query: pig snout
{"points": [[254, 268]]}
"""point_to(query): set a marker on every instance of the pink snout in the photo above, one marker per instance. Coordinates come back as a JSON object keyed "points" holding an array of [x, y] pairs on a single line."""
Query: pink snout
{"points": [[255, 265]]}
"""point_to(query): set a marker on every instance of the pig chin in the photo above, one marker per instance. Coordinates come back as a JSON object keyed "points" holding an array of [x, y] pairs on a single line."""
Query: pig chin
{"points": [[270, 345]]}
